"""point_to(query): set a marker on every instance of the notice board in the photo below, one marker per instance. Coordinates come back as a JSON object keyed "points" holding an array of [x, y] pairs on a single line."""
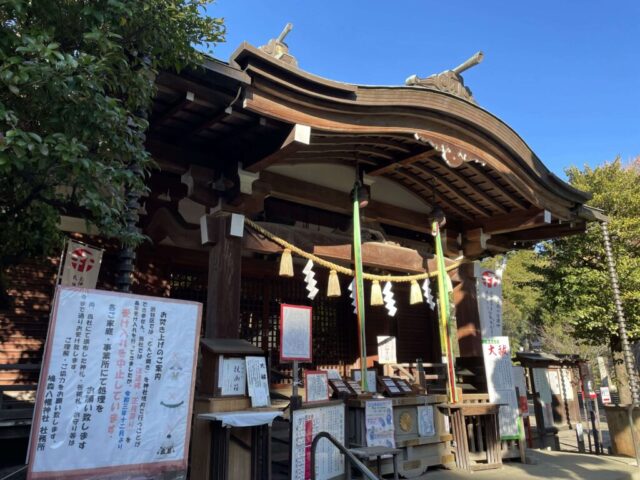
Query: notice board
{"points": [[306, 423], [116, 387], [295, 333], [497, 363]]}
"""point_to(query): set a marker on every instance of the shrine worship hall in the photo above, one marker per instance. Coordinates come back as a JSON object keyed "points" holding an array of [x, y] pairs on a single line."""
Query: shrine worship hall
{"points": [[334, 234]]}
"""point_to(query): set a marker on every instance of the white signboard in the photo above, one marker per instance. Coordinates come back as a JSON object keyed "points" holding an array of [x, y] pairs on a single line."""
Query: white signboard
{"points": [[80, 265], [567, 384], [426, 426], [295, 333], [233, 376], [604, 374], [116, 387], [379, 423], [489, 288], [258, 381], [541, 383], [316, 386], [306, 423], [386, 350], [554, 381], [497, 363], [371, 379]]}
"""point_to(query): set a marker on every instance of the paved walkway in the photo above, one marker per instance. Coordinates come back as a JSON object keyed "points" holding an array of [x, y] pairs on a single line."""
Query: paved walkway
{"points": [[553, 466]]}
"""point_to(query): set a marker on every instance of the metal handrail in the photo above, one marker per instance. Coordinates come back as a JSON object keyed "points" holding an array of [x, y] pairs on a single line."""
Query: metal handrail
{"points": [[350, 456]]}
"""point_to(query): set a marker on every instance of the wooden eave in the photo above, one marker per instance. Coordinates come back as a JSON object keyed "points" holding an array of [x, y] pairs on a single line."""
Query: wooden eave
{"points": [[442, 148]]}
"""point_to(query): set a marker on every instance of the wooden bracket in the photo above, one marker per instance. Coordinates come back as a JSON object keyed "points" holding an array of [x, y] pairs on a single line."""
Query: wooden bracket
{"points": [[198, 181], [516, 221], [299, 136]]}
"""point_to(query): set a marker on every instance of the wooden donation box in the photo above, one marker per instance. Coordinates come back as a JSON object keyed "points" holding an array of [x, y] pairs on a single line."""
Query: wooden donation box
{"points": [[411, 423], [230, 437]]}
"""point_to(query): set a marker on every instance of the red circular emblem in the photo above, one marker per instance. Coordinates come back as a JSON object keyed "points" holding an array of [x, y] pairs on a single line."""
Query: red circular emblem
{"points": [[82, 260], [489, 279]]}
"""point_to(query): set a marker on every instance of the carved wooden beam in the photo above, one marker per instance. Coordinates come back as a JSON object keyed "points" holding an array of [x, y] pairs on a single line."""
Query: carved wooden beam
{"points": [[500, 244], [516, 221], [306, 193], [249, 204], [365, 150], [336, 247], [451, 243], [299, 136], [166, 223], [330, 139], [418, 157], [474, 242], [546, 233], [199, 185], [453, 155], [376, 255]]}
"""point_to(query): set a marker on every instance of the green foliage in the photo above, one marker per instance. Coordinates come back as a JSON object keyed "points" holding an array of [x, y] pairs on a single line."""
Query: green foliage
{"points": [[76, 85], [575, 285], [560, 294]]}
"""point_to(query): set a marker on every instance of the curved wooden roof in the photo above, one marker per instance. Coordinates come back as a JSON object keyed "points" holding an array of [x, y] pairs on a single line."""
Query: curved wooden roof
{"points": [[443, 148], [385, 126]]}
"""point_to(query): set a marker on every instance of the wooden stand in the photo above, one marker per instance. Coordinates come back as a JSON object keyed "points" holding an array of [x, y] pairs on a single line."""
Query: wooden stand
{"points": [[201, 434], [487, 422], [216, 451], [260, 453]]}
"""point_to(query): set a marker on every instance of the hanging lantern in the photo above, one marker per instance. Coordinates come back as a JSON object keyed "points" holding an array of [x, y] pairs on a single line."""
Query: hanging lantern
{"points": [[416, 294], [333, 285], [376, 293]]}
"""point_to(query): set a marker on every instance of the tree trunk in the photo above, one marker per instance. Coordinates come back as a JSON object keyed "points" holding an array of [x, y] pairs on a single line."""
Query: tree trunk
{"points": [[622, 376]]}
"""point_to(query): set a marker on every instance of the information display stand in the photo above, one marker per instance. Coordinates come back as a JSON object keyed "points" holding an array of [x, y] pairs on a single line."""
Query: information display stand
{"points": [[418, 429], [232, 371]]}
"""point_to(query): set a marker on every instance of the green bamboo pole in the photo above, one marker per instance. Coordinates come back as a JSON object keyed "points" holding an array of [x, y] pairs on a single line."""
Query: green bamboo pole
{"points": [[359, 288], [444, 312]]}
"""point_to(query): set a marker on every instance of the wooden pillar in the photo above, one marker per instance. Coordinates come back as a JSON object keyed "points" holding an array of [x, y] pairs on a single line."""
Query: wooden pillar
{"points": [[467, 317], [223, 289]]}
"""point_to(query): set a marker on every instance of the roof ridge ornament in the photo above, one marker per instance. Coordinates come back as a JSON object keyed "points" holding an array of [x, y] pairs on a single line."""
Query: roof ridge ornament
{"points": [[449, 81], [280, 50]]}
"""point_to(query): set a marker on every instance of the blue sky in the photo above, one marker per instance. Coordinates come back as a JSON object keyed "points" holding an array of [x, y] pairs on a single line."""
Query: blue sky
{"points": [[563, 74]]}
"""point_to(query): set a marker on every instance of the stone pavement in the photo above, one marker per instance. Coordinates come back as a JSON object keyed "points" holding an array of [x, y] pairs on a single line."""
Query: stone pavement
{"points": [[552, 466]]}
